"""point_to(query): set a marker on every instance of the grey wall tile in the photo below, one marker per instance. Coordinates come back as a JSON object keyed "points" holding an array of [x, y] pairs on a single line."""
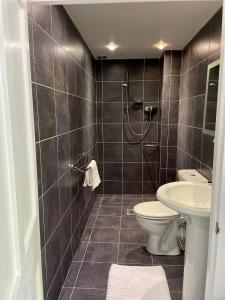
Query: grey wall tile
{"points": [[113, 70], [49, 163], [43, 53], [62, 72], [46, 112], [196, 56], [51, 208]]}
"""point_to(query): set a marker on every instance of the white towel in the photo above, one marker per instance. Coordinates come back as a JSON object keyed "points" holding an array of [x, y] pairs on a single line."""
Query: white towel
{"points": [[92, 177]]}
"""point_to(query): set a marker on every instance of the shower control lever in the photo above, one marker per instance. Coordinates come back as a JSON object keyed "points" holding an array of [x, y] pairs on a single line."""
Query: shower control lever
{"points": [[148, 108]]}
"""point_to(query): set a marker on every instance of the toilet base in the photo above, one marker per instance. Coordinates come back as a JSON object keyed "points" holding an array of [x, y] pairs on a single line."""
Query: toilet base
{"points": [[153, 247]]}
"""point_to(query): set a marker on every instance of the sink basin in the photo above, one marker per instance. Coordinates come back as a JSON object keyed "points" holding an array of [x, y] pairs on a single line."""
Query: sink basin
{"points": [[193, 201], [187, 197]]}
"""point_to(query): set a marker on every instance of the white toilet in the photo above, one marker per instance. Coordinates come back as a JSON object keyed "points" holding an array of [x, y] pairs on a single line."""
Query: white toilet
{"points": [[161, 222]]}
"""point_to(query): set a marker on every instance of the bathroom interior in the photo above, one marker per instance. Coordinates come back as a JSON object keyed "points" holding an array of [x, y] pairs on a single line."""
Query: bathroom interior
{"points": [[132, 86]]}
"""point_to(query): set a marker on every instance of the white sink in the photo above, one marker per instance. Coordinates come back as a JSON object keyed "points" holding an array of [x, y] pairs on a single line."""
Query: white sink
{"points": [[193, 201], [187, 197]]}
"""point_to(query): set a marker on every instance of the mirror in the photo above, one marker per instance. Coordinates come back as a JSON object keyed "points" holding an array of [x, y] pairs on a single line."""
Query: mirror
{"points": [[211, 98]]}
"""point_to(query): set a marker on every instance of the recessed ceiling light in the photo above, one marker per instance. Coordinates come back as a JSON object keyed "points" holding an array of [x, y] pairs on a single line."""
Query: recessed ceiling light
{"points": [[161, 45], [112, 46]]}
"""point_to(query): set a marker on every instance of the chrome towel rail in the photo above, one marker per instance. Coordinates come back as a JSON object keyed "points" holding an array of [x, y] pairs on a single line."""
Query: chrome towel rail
{"points": [[82, 168]]}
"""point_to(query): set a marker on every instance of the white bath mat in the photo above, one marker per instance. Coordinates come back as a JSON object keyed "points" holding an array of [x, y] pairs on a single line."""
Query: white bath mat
{"points": [[137, 283]]}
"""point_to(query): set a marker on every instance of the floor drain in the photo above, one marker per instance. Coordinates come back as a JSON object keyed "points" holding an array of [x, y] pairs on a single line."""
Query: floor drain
{"points": [[130, 212]]}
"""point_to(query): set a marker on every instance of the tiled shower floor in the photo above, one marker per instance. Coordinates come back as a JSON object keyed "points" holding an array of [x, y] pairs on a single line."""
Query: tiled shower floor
{"points": [[111, 236]]}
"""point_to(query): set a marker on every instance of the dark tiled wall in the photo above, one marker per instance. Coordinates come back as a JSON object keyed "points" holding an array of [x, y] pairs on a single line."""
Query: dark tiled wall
{"points": [[64, 111], [171, 61], [195, 149], [123, 166]]}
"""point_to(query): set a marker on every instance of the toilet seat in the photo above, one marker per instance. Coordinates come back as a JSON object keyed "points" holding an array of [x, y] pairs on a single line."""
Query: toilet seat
{"points": [[155, 210]]}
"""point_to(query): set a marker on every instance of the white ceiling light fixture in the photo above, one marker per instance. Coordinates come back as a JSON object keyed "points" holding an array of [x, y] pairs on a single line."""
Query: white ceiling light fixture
{"points": [[161, 45], [112, 46]]}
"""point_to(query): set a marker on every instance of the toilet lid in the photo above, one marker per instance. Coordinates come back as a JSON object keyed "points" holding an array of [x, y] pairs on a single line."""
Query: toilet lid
{"points": [[154, 210]]}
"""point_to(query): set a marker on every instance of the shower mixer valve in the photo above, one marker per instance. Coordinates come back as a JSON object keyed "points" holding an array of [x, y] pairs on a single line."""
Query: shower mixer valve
{"points": [[149, 108]]}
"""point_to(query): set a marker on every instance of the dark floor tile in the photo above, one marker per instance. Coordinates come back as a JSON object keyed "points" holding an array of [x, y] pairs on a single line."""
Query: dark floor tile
{"points": [[88, 294], [129, 222], [98, 200], [168, 260], [112, 200], [102, 252], [72, 274], [91, 221], [65, 294], [80, 251], [174, 276], [86, 234], [107, 221], [125, 210], [93, 275], [94, 210], [132, 201], [110, 235], [136, 236], [176, 296], [134, 254], [132, 196], [55, 289], [110, 211]]}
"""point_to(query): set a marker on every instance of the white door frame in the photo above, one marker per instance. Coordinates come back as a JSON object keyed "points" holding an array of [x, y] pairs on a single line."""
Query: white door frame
{"points": [[74, 2], [215, 289], [20, 255]]}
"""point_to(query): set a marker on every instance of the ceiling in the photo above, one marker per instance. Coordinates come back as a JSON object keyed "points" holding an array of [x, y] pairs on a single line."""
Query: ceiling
{"points": [[136, 27]]}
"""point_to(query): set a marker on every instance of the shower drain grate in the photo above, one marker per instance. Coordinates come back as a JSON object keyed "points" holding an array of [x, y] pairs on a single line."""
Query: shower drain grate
{"points": [[130, 212]]}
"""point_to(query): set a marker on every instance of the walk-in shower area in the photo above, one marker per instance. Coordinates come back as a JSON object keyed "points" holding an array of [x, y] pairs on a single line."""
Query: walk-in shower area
{"points": [[138, 119]]}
